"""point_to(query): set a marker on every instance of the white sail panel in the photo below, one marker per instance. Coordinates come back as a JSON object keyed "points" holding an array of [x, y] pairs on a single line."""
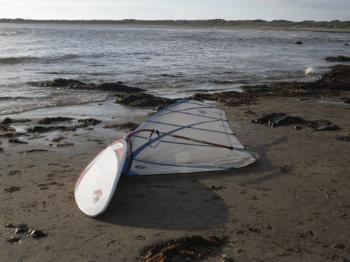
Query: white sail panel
{"points": [[171, 155]]}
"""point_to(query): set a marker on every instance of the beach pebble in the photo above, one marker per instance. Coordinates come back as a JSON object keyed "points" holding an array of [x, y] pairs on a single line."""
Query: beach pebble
{"points": [[13, 240], [216, 187], [36, 234], [140, 237], [14, 172], [339, 246], [20, 231], [12, 189]]}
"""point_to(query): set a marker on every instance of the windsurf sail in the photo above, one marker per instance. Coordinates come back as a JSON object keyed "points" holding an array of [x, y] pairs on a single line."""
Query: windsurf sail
{"points": [[186, 137]]}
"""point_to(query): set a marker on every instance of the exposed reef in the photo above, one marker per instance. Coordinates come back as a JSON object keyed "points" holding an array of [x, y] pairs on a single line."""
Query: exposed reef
{"points": [[338, 79], [144, 100], [76, 84]]}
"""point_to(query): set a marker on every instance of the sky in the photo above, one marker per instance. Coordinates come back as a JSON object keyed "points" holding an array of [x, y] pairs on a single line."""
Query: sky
{"points": [[295, 10]]}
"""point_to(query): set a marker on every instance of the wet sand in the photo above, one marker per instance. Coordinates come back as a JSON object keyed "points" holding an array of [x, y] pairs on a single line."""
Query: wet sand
{"points": [[292, 205]]}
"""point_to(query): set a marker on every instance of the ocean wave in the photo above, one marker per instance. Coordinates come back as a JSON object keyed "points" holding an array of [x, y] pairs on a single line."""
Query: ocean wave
{"points": [[18, 60], [13, 33], [8, 109], [44, 59], [2, 98], [222, 81]]}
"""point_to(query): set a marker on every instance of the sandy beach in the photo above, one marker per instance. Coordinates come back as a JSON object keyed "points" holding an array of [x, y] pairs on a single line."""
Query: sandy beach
{"points": [[292, 205], [70, 88]]}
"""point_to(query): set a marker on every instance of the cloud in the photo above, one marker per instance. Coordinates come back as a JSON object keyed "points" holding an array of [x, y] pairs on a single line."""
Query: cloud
{"points": [[177, 9]]}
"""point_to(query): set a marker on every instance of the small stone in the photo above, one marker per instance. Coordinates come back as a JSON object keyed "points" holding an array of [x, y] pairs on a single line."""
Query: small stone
{"points": [[14, 172], [12, 189], [216, 187], [13, 240], [339, 246], [20, 231], [240, 231], [36, 234], [254, 230], [10, 225], [140, 237], [268, 227]]}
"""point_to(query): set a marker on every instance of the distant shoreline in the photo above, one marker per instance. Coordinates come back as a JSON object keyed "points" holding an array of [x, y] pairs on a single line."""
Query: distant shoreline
{"points": [[330, 26]]}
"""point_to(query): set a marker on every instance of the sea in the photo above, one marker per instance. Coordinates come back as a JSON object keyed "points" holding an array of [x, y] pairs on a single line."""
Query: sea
{"points": [[166, 61]]}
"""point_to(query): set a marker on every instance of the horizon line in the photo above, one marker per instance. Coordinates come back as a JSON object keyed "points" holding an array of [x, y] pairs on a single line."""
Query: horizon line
{"points": [[173, 20]]}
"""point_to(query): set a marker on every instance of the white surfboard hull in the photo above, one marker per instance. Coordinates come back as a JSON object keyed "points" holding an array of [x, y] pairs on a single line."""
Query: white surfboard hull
{"points": [[97, 183]]}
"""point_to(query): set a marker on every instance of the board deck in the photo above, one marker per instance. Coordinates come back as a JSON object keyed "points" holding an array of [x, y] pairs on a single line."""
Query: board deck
{"points": [[97, 183]]}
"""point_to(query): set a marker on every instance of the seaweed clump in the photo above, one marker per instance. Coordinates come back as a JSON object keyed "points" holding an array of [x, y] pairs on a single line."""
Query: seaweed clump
{"points": [[192, 248]]}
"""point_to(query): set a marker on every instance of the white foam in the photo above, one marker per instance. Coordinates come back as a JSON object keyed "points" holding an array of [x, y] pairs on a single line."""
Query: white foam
{"points": [[310, 71]]}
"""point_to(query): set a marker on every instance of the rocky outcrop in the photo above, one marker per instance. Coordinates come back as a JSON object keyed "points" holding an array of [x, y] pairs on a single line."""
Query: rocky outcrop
{"points": [[76, 84], [118, 87], [144, 100], [60, 82], [337, 79], [128, 126], [229, 98], [281, 119], [339, 58], [52, 120]]}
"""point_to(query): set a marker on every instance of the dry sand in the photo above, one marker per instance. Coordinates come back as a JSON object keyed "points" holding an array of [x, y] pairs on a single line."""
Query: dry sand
{"points": [[292, 205]]}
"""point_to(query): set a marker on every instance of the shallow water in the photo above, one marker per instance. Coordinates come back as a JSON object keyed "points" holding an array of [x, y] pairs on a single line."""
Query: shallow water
{"points": [[171, 62]]}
